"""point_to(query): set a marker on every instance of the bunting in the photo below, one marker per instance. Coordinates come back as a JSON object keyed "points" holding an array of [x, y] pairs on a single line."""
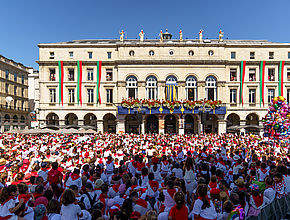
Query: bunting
{"points": [[242, 79], [262, 82], [61, 75], [79, 88], [99, 74], [281, 71], [171, 92]]}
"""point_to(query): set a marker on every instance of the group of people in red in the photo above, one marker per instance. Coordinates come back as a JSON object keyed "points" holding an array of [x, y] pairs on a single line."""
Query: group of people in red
{"points": [[126, 176]]}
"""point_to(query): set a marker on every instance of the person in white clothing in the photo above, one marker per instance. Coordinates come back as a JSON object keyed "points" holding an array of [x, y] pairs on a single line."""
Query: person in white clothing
{"points": [[69, 210]]}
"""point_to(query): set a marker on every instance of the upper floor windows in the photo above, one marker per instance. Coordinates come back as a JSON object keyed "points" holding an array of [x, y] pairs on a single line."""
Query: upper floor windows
{"points": [[51, 55], [51, 74], [6, 74], [191, 88], [271, 74], [151, 53], [71, 54], [71, 74], [233, 55], [109, 54], [90, 74], [190, 53], [15, 77], [211, 88], [22, 79], [210, 53], [131, 86], [109, 74], [252, 74], [271, 55], [233, 75], [90, 55], [151, 87], [252, 55], [131, 53]]}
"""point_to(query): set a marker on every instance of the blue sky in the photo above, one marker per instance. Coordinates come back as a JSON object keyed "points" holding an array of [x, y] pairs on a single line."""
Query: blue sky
{"points": [[27, 23]]}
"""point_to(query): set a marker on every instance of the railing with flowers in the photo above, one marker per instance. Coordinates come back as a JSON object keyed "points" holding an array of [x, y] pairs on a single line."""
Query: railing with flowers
{"points": [[150, 103]]}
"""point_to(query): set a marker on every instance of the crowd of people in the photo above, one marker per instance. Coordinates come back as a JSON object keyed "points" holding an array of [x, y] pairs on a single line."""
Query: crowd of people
{"points": [[126, 176]]}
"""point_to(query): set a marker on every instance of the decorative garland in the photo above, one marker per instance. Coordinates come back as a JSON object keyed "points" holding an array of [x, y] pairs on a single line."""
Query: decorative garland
{"points": [[171, 105]]}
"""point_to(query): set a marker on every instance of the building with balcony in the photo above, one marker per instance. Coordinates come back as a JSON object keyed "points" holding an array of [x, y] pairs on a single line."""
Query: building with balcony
{"points": [[14, 112], [83, 82]]}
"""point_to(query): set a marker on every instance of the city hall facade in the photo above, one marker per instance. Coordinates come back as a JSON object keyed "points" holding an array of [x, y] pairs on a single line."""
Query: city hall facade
{"points": [[83, 83]]}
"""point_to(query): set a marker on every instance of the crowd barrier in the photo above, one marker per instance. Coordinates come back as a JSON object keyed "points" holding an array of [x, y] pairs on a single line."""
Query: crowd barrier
{"points": [[276, 210]]}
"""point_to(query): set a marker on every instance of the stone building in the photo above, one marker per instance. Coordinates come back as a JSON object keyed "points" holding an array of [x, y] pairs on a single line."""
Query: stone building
{"points": [[14, 112], [140, 69]]}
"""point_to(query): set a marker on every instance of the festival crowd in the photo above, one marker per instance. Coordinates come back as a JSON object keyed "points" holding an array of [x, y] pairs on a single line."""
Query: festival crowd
{"points": [[123, 176]]}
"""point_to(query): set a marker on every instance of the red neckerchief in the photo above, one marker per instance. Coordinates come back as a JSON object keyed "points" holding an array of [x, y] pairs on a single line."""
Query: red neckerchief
{"points": [[109, 161], [165, 162], [44, 169], [264, 171], [212, 185], [258, 200], [133, 186], [85, 173], [154, 185], [206, 197], [91, 178], [25, 197], [171, 192], [37, 195], [8, 199], [116, 187], [75, 176], [141, 202]]}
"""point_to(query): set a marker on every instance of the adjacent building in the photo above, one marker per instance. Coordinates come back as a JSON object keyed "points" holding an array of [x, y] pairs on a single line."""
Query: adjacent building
{"points": [[83, 82], [14, 112], [33, 97]]}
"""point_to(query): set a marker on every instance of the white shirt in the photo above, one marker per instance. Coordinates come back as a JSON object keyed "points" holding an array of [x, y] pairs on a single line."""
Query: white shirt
{"points": [[209, 213], [70, 211]]}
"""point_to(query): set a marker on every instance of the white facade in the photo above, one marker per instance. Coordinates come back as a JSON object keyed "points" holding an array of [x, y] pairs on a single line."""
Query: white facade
{"points": [[209, 69]]}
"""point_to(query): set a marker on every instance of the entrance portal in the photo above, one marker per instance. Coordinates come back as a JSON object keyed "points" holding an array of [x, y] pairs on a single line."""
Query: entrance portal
{"points": [[170, 124], [189, 124], [152, 124]]}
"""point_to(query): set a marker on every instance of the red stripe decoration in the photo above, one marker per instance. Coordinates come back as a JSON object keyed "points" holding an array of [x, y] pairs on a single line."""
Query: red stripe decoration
{"points": [[282, 82], [100, 74], [243, 69], [80, 84], [62, 76], [263, 82]]}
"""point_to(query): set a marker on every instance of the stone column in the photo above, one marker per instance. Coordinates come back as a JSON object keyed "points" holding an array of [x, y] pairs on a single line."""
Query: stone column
{"points": [[143, 127], [222, 126], [161, 124], [199, 125], [120, 124], [181, 124], [242, 123], [100, 126]]}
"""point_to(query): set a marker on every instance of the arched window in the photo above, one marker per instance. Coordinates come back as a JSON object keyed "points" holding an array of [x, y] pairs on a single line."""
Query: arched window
{"points": [[211, 88], [171, 89], [132, 87], [151, 87], [6, 118], [191, 88], [15, 119], [22, 119]]}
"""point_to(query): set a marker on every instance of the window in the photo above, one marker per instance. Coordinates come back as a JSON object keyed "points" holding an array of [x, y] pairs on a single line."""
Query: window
{"points": [[15, 77], [131, 53], [210, 87], [151, 87], [210, 52], [109, 74], [271, 95], [15, 90], [252, 74], [71, 75], [252, 55], [233, 96], [131, 86], [15, 104], [22, 118], [6, 74], [6, 88], [52, 95], [109, 55], [151, 53], [171, 52], [233, 74], [71, 54], [90, 95], [90, 74], [288, 74], [109, 95], [22, 108], [51, 55], [271, 55], [190, 53], [22, 92], [90, 55], [191, 88], [252, 96], [71, 95], [233, 55], [51, 74], [288, 55], [271, 74], [288, 95], [22, 79]]}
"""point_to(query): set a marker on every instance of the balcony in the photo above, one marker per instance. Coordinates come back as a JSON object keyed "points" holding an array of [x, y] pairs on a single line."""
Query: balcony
{"points": [[13, 108]]}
